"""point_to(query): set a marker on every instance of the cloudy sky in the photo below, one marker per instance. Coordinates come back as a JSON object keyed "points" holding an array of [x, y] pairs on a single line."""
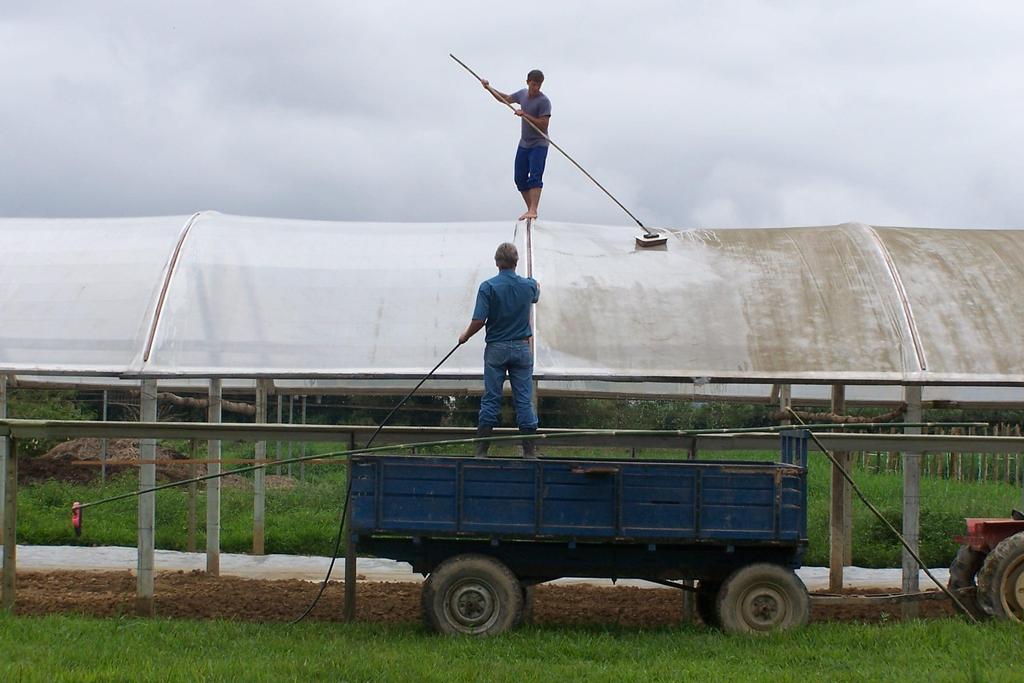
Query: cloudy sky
{"points": [[694, 114]]}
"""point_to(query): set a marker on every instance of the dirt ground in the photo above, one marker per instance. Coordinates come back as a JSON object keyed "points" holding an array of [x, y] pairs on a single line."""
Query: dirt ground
{"points": [[77, 461], [195, 595]]}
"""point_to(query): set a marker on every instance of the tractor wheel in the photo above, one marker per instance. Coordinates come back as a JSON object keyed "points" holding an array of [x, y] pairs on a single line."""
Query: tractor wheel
{"points": [[707, 596], [472, 595], [962, 574], [760, 598], [1001, 580]]}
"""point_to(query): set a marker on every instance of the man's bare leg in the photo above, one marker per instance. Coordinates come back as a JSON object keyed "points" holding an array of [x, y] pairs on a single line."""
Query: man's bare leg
{"points": [[532, 198]]}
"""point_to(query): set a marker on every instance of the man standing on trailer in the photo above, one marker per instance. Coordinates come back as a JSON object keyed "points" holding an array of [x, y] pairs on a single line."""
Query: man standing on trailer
{"points": [[503, 306], [535, 108]]}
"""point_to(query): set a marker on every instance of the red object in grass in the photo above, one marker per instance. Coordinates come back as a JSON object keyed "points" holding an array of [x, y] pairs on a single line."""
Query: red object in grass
{"points": [[76, 517]]}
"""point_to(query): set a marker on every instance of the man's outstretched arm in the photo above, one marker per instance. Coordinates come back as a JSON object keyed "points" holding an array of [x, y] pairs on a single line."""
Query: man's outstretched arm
{"points": [[500, 96], [474, 327]]}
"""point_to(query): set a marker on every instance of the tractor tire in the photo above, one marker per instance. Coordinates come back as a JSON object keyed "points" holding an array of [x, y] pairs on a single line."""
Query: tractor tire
{"points": [[707, 596], [962, 573], [762, 598], [473, 595], [1001, 580]]}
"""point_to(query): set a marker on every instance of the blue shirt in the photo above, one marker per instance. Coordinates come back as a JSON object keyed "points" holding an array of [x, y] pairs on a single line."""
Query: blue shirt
{"points": [[538, 107], [504, 303]]}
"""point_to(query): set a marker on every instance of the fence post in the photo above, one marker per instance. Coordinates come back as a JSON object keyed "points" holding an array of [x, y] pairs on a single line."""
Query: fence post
{"points": [[277, 448], [839, 510], [103, 442], [10, 526], [302, 446], [3, 450], [350, 553], [214, 412], [147, 506], [911, 501], [259, 477], [193, 493], [785, 401]]}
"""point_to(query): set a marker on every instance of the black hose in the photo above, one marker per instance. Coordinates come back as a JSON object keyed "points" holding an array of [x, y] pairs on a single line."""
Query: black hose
{"points": [[348, 487]]}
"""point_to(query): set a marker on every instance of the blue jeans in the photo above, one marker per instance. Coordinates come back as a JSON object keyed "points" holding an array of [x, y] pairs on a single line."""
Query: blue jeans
{"points": [[530, 167], [515, 359]]}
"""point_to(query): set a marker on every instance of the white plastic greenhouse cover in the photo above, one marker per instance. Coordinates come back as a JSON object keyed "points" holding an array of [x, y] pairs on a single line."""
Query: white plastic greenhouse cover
{"points": [[341, 304]]}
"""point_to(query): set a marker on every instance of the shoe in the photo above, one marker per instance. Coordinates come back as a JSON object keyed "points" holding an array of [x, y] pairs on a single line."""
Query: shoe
{"points": [[481, 446], [529, 445]]}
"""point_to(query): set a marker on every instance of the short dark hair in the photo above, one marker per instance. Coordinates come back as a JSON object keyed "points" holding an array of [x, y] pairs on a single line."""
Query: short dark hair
{"points": [[535, 75], [507, 256]]}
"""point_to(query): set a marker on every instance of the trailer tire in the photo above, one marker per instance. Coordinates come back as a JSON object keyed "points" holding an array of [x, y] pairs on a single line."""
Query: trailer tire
{"points": [[1001, 580], [962, 573], [707, 597], [472, 595], [761, 598]]}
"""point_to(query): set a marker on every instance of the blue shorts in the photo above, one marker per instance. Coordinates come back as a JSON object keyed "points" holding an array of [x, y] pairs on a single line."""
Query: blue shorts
{"points": [[530, 167]]}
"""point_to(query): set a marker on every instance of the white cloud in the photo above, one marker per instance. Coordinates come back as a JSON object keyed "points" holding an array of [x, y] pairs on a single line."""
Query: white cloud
{"points": [[697, 113]]}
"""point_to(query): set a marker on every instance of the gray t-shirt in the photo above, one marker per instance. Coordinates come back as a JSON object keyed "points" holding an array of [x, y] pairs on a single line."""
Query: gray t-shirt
{"points": [[539, 107]]}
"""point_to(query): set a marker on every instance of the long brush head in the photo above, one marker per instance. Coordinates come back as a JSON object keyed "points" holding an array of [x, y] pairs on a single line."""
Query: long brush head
{"points": [[651, 239]]}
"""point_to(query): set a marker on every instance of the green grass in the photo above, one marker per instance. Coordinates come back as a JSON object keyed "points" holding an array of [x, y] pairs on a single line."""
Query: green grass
{"points": [[304, 520], [67, 648]]}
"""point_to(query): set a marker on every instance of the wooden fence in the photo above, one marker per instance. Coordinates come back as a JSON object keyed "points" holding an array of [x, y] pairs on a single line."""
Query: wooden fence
{"points": [[958, 466]]}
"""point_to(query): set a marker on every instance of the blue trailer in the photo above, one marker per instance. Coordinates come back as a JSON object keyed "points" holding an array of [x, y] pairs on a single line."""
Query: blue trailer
{"points": [[484, 530]]}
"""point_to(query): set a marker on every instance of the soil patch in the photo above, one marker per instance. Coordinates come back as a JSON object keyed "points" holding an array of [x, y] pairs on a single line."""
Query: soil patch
{"points": [[78, 460], [195, 595]]}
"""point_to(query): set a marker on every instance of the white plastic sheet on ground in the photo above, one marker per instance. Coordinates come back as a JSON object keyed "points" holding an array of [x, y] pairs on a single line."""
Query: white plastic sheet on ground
{"points": [[36, 558]]}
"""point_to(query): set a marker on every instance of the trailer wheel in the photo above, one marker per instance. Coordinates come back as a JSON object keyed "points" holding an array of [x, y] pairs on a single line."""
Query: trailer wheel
{"points": [[760, 598], [707, 596], [1001, 580], [472, 595], [962, 573]]}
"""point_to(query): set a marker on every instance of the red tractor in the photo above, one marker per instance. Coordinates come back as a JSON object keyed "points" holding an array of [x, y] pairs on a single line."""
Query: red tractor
{"points": [[988, 570]]}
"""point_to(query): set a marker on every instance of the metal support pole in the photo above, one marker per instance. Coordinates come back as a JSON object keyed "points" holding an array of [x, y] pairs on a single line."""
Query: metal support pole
{"points": [[838, 510], [911, 501], [213, 485], [10, 527], [259, 477], [3, 449], [350, 556], [103, 442], [147, 506]]}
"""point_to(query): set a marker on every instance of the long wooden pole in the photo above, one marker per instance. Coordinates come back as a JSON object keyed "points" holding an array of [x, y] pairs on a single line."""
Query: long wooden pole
{"points": [[564, 153]]}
